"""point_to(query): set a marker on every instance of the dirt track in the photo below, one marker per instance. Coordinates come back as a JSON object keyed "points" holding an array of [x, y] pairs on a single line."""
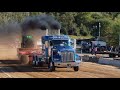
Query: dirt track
{"points": [[12, 69]]}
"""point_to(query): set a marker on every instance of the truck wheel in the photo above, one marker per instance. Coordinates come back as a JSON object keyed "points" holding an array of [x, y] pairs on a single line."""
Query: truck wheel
{"points": [[37, 63], [24, 59], [76, 68], [112, 55], [51, 67], [118, 55], [33, 63], [47, 60]]}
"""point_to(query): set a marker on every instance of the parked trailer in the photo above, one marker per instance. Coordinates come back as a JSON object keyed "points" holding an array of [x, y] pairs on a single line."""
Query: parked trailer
{"points": [[111, 54]]}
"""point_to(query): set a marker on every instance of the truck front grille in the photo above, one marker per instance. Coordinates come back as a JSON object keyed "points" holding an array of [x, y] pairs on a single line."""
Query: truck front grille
{"points": [[67, 56]]}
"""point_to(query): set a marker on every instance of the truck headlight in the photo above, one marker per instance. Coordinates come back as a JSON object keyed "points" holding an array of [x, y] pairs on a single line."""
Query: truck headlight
{"points": [[59, 52]]}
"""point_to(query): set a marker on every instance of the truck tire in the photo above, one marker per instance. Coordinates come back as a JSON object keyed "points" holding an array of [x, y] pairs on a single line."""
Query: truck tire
{"points": [[24, 59], [51, 65], [112, 55], [76, 68], [119, 55], [35, 62]]}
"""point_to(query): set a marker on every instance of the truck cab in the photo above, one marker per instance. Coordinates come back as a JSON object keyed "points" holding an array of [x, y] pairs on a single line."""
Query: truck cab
{"points": [[60, 52]]}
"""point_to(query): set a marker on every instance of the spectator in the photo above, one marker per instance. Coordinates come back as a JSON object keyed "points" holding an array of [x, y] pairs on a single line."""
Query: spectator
{"points": [[111, 49], [95, 50], [92, 51]]}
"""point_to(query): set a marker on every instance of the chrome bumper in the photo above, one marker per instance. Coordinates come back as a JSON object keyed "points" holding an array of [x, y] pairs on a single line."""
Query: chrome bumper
{"points": [[68, 64]]}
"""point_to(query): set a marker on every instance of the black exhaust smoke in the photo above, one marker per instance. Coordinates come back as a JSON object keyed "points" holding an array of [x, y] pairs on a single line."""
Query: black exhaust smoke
{"points": [[55, 25], [42, 25], [10, 35], [40, 22]]}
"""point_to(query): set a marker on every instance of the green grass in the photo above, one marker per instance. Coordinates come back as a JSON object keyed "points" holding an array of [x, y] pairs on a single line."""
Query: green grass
{"points": [[80, 37]]}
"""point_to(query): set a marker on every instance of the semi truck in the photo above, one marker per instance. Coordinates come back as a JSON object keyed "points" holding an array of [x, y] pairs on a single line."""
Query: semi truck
{"points": [[57, 52]]}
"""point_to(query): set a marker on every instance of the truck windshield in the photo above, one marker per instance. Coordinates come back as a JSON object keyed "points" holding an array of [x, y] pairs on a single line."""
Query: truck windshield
{"points": [[58, 42]]}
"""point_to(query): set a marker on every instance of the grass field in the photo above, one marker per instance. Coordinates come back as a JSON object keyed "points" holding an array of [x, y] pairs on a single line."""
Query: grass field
{"points": [[80, 37]]}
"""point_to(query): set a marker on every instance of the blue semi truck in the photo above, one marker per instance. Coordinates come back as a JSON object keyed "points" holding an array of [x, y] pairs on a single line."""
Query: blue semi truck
{"points": [[57, 52], [60, 52]]}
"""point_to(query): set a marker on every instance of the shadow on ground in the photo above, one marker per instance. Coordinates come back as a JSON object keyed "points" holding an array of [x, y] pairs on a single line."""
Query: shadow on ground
{"points": [[15, 66]]}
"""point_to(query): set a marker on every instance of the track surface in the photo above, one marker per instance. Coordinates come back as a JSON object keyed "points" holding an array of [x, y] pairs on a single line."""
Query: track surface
{"points": [[12, 69]]}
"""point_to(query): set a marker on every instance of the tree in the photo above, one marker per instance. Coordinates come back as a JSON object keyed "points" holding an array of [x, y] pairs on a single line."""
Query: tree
{"points": [[75, 23], [67, 21], [113, 15]]}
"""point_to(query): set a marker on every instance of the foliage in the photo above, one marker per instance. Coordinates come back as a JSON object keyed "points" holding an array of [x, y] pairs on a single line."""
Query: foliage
{"points": [[77, 23]]}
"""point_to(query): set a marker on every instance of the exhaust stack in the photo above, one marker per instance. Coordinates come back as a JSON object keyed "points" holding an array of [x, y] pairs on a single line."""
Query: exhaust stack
{"points": [[58, 31], [46, 32]]}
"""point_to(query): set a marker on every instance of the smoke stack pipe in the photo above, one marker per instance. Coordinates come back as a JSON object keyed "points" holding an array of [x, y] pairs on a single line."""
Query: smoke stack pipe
{"points": [[58, 31], [46, 32]]}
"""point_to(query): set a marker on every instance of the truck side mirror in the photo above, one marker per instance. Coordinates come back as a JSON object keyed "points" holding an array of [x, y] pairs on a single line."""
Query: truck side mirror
{"points": [[71, 43], [78, 57], [51, 44]]}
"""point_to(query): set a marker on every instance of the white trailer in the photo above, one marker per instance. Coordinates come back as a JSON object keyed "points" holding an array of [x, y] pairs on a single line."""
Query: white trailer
{"points": [[98, 43]]}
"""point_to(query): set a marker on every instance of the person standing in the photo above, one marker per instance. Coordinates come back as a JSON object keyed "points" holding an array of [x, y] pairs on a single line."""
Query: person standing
{"points": [[95, 50], [92, 50], [111, 49]]}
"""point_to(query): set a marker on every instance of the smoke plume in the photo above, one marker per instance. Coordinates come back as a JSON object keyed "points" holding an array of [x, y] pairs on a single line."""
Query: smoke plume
{"points": [[10, 40], [10, 35], [40, 22]]}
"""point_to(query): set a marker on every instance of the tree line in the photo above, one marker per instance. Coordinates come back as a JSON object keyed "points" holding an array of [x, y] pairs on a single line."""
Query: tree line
{"points": [[78, 23]]}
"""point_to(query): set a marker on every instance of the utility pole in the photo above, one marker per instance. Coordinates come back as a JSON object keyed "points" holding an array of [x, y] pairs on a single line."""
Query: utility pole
{"points": [[95, 28], [99, 33], [81, 50], [99, 30], [119, 39]]}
